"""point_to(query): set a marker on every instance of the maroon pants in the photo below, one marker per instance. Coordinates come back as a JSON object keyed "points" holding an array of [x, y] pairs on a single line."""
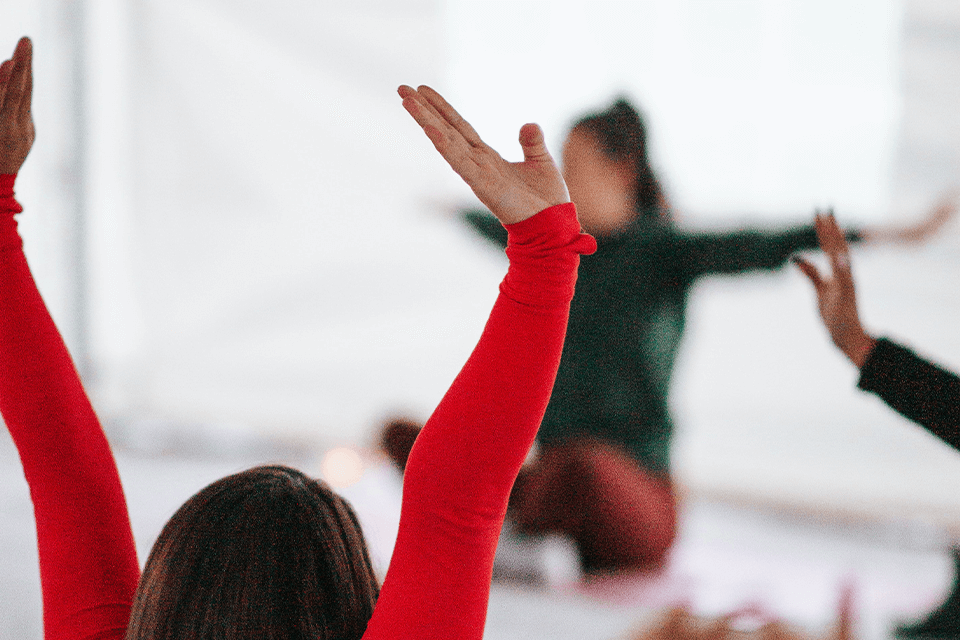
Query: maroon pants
{"points": [[620, 515]]}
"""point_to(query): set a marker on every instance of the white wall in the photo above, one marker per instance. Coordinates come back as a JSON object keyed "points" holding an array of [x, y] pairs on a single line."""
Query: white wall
{"points": [[765, 107], [270, 254]]}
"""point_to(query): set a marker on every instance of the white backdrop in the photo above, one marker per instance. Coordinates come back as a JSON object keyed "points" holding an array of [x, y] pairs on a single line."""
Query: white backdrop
{"points": [[270, 251]]}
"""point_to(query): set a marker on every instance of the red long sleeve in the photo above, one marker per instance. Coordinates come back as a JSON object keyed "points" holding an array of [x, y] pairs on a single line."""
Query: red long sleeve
{"points": [[88, 563], [463, 465]]}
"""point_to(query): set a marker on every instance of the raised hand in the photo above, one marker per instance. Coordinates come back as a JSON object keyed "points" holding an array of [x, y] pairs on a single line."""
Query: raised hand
{"points": [[836, 296], [921, 231], [16, 122], [513, 191]]}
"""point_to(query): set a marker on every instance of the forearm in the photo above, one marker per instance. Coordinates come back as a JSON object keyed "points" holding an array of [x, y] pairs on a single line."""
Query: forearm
{"points": [[87, 559], [856, 344], [915, 388], [463, 465]]}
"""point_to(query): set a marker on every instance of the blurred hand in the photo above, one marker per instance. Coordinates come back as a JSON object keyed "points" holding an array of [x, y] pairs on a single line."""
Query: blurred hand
{"points": [[16, 122], [513, 191], [836, 297], [922, 231]]}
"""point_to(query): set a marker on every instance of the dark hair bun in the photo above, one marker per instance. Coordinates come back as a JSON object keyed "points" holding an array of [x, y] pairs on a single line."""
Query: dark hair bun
{"points": [[621, 134]]}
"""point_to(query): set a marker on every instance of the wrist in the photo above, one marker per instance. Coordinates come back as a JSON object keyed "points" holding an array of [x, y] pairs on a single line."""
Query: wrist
{"points": [[7, 181], [858, 348]]}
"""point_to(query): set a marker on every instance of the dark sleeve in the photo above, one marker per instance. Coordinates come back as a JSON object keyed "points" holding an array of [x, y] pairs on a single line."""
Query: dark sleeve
{"points": [[486, 224], [747, 250], [915, 388], [466, 458], [88, 563]]}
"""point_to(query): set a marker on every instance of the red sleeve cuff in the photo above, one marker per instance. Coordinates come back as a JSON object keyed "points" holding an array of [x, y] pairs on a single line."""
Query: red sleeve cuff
{"points": [[557, 222], [544, 252], [8, 203]]}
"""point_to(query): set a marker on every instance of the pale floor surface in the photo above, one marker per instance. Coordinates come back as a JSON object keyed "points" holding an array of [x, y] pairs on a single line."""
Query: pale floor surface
{"points": [[728, 556]]}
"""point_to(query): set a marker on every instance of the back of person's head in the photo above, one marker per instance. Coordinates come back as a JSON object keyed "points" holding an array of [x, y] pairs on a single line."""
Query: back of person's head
{"points": [[620, 132], [268, 553]]}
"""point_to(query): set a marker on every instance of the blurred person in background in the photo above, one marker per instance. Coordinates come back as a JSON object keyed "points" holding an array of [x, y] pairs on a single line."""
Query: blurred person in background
{"points": [[602, 476], [270, 553], [912, 386]]}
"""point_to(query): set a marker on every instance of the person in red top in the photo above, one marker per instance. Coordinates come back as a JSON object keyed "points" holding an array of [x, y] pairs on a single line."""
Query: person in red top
{"points": [[269, 552]]}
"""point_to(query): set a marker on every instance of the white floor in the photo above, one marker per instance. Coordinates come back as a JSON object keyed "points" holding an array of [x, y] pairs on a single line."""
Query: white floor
{"points": [[786, 563]]}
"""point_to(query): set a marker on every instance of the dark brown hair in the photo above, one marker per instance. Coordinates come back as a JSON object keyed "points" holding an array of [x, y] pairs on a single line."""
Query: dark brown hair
{"points": [[621, 134], [267, 553]]}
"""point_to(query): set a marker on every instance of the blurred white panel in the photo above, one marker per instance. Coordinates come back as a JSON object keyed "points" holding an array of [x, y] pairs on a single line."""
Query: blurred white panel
{"points": [[269, 251], [766, 107], [928, 151], [273, 258]]}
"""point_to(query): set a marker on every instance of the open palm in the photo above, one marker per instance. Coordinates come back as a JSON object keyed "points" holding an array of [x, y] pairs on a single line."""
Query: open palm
{"points": [[16, 122], [513, 191], [836, 294]]}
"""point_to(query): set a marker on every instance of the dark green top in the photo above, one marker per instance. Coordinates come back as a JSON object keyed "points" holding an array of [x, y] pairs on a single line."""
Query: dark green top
{"points": [[626, 321]]}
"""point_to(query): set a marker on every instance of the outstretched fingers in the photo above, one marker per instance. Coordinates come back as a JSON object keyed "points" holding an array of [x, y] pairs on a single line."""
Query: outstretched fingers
{"points": [[450, 115], [810, 271], [17, 84], [6, 68], [829, 235], [422, 115], [27, 97], [445, 138], [834, 244]]}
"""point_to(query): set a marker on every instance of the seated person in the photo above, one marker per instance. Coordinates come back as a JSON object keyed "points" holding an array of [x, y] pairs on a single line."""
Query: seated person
{"points": [[603, 472]]}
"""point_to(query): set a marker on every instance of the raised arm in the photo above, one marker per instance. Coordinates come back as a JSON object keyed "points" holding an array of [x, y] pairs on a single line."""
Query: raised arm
{"points": [[88, 564], [461, 469], [915, 388]]}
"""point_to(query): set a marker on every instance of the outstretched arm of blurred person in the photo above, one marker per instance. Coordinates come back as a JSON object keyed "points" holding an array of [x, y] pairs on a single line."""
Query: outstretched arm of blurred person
{"points": [[914, 387], [919, 232], [755, 249], [88, 563]]}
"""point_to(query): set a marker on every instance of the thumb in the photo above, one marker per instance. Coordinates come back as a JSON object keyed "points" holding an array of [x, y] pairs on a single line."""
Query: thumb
{"points": [[808, 270], [531, 139]]}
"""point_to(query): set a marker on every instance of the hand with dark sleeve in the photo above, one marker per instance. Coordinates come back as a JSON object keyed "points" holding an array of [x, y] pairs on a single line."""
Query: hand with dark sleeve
{"points": [[915, 388], [836, 295]]}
